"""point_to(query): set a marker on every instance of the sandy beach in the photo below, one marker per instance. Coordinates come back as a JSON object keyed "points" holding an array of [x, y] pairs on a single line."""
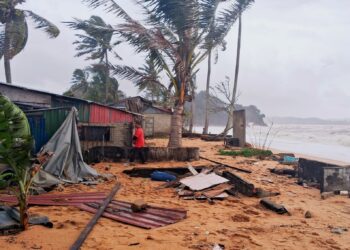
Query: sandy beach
{"points": [[237, 222]]}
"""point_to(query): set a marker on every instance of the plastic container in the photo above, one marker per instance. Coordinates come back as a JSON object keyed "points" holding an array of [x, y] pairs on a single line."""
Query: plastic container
{"points": [[162, 176]]}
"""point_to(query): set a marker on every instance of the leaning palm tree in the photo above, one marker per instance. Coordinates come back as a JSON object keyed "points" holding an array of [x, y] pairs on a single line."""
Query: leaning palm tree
{"points": [[14, 31], [96, 43], [174, 31]]}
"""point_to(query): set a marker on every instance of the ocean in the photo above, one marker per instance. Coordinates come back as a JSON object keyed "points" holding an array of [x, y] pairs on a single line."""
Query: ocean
{"points": [[324, 141]]}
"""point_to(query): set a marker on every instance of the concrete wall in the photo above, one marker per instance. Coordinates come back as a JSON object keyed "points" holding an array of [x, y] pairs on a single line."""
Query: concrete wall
{"points": [[161, 123], [120, 136]]}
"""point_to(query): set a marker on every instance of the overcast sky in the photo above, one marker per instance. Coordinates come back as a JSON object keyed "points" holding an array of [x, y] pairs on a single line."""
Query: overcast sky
{"points": [[295, 55]]}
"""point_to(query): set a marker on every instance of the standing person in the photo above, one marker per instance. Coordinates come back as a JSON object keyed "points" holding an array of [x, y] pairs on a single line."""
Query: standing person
{"points": [[138, 144]]}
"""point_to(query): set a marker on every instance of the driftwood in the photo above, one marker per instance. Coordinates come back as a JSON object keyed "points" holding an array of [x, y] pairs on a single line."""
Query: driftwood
{"points": [[85, 233], [227, 166], [273, 206], [240, 185]]}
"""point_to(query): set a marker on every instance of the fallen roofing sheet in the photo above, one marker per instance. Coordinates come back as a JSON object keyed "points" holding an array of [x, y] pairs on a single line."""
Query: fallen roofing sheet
{"points": [[202, 181], [120, 211]]}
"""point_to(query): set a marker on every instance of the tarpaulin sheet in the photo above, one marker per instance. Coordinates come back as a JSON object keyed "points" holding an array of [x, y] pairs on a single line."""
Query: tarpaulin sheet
{"points": [[66, 164]]}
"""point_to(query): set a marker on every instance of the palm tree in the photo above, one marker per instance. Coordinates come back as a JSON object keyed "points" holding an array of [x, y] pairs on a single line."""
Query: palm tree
{"points": [[229, 123], [15, 147], [174, 32], [89, 84], [14, 31], [96, 43]]}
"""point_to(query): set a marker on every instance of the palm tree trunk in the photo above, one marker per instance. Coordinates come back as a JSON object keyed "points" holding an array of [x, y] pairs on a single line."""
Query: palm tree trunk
{"points": [[107, 77], [175, 139], [7, 65], [206, 122], [229, 123], [192, 114], [7, 62]]}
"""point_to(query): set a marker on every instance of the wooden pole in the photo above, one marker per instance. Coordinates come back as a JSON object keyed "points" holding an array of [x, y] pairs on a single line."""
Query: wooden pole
{"points": [[228, 166], [84, 234]]}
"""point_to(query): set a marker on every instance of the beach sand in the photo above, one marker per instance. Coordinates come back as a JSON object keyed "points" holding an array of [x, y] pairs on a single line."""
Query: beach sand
{"points": [[237, 222]]}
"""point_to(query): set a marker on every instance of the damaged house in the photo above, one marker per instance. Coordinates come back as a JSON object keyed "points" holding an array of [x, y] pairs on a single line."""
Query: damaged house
{"points": [[99, 125], [157, 119]]}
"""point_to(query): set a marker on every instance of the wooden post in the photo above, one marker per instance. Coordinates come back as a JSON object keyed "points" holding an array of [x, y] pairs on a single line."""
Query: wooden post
{"points": [[84, 234], [239, 126]]}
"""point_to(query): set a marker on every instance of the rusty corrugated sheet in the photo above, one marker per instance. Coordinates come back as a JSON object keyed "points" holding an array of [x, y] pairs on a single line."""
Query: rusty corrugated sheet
{"points": [[106, 115], [120, 211]]}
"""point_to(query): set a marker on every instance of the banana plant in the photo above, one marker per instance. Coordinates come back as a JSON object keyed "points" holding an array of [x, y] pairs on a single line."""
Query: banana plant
{"points": [[15, 147]]}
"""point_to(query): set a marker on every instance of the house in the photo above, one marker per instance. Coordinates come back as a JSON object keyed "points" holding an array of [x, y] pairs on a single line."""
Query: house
{"points": [[157, 120], [99, 125]]}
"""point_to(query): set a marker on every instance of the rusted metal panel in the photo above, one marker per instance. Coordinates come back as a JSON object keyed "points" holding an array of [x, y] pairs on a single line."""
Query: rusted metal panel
{"points": [[107, 115], [120, 211]]}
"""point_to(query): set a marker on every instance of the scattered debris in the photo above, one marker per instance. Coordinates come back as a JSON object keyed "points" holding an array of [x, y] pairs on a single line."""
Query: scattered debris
{"points": [[338, 230], [120, 211], [162, 176], [260, 193], [240, 185], [308, 215], [85, 233], [202, 181], [284, 171], [138, 206], [227, 166], [280, 209], [218, 247], [10, 218], [290, 160]]}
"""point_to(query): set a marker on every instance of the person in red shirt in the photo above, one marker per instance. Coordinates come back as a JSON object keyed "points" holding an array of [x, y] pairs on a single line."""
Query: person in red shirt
{"points": [[138, 144]]}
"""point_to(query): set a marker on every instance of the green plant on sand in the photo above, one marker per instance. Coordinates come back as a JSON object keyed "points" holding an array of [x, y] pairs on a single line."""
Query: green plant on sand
{"points": [[246, 152], [15, 146]]}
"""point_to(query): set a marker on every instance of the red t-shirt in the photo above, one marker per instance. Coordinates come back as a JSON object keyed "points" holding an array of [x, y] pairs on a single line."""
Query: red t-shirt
{"points": [[140, 139]]}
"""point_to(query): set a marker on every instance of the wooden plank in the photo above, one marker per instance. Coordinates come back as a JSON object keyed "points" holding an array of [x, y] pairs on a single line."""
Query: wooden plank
{"points": [[227, 166], [85, 233]]}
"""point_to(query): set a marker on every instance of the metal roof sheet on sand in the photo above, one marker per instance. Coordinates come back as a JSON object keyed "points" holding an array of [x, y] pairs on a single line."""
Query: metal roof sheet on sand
{"points": [[202, 181], [151, 217]]}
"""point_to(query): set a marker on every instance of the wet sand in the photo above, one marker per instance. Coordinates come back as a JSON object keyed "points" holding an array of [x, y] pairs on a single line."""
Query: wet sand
{"points": [[237, 222]]}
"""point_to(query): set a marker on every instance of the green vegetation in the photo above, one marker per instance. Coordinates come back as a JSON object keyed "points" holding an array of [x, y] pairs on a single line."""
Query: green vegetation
{"points": [[14, 30], [15, 146], [95, 43], [247, 152]]}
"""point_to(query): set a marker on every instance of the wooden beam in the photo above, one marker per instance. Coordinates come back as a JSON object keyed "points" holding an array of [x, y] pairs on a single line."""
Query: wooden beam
{"points": [[84, 234], [228, 166]]}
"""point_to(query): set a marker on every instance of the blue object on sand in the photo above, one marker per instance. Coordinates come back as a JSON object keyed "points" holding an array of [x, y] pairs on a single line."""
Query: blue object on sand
{"points": [[290, 159], [162, 176]]}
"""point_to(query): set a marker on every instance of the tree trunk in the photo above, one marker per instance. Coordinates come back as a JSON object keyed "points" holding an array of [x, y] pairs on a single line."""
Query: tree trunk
{"points": [[23, 211], [175, 139], [107, 78], [7, 65], [229, 123], [206, 122], [7, 62], [192, 114]]}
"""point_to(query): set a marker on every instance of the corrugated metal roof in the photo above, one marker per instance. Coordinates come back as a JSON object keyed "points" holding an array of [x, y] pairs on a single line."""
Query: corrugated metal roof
{"points": [[151, 217], [72, 99]]}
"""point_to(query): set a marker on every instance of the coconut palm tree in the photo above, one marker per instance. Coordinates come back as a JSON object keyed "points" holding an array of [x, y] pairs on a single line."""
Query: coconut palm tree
{"points": [[15, 147], [229, 123], [96, 44], [14, 31], [174, 31]]}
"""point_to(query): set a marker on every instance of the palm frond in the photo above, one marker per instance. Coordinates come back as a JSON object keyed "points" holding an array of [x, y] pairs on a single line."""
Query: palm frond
{"points": [[42, 23], [16, 35], [110, 6]]}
